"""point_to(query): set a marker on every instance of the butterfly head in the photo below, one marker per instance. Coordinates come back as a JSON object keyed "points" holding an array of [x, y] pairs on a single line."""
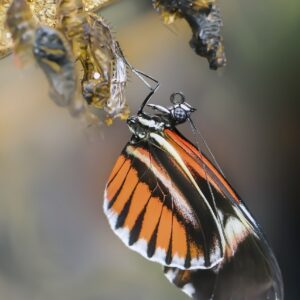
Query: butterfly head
{"points": [[176, 114], [142, 124], [181, 110]]}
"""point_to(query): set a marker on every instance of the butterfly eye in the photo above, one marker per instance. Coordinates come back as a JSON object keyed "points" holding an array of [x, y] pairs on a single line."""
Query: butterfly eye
{"points": [[179, 114]]}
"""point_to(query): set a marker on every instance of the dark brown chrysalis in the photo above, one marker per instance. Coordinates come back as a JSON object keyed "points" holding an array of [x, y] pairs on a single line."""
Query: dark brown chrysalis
{"points": [[204, 18]]}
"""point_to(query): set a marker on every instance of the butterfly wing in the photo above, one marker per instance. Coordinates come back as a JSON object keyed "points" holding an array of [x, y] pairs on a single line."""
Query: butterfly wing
{"points": [[151, 201], [168, 202], [252, 274], [249, 269]]}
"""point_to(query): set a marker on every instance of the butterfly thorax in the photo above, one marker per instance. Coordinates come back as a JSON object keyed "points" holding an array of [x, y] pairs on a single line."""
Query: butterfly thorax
{"points": [[142, 125]]}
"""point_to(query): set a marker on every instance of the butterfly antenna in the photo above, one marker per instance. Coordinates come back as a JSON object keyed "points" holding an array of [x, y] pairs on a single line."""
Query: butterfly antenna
{"points": [[143, 77], [196, 132]]}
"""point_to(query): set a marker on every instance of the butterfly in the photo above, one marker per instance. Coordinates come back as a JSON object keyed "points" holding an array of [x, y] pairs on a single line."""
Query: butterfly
{"points": [[167, 201]]}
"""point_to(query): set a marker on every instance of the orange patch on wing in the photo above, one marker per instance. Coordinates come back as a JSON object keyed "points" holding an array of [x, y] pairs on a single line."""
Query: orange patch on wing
{"points": [[126, 191], [149, 161], [164, 229], [139, 200], [194, 165], [116, 183], [188, 147], [185, 276], [179, 241], [151, 218], [195, 251], [116, 167]]}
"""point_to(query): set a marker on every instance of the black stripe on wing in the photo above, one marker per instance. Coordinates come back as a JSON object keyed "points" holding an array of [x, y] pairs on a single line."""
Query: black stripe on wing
{"points": [[199, 242], [136, 230], [209, 236], [161, 191], [116, 195]]}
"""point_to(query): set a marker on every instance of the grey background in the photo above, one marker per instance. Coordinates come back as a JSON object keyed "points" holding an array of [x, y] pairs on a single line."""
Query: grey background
{"points": [[55, 242]]}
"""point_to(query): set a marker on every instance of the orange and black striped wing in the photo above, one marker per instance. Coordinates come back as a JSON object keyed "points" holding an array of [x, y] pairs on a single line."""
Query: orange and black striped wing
{"points": [[155, 206], [249, 269], [251, 274]]}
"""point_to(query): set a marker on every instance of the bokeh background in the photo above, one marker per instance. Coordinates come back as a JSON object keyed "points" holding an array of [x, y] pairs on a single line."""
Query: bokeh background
{"points": [[55, 242]]}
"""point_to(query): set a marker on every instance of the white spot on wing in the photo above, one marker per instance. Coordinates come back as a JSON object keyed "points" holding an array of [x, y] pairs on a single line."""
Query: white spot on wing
{"points": [[140, 246], [123, 234], [189, 289], [199, 261], [171, 275], [235, 232], [112, 218], [161, 253], [105, 202], [178, 260], [215, 254]]}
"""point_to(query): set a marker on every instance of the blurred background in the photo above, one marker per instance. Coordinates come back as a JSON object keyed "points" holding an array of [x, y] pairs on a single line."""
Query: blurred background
{"points": [[55, 242]]}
